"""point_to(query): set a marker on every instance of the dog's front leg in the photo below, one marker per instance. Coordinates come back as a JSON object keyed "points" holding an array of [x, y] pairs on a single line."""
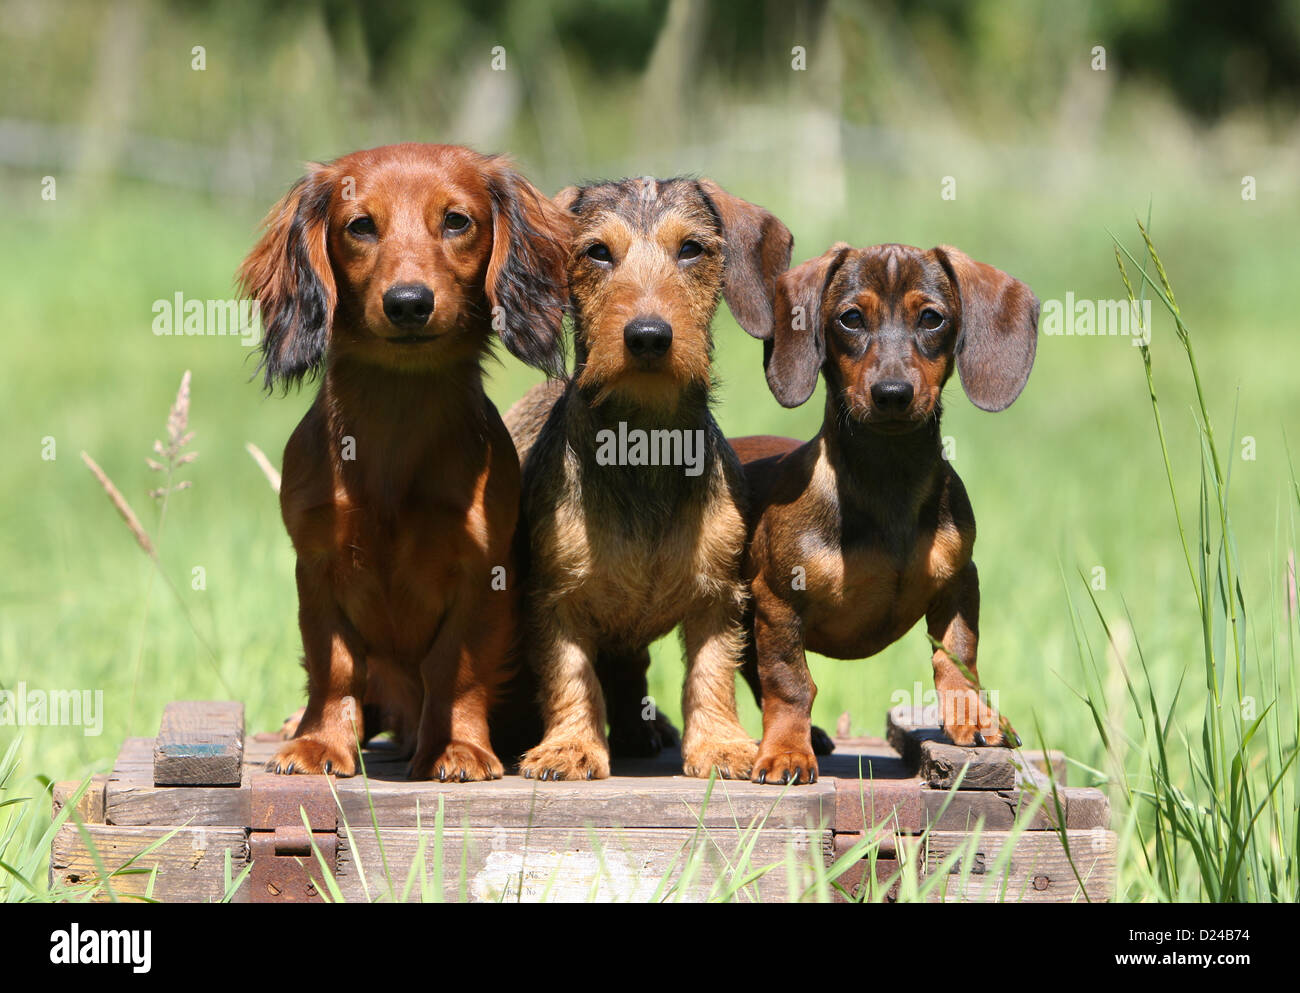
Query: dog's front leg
{"points": [[713, 737], [786, 752], [574, 746], [327, 736], [964, 707], [633, 733], [460, 673]]}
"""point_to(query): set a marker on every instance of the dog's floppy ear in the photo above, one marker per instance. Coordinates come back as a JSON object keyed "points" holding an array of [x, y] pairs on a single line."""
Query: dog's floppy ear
{"points": [[758, 251], [288, 273], [526, 284], [793, 356], [998, 330]]}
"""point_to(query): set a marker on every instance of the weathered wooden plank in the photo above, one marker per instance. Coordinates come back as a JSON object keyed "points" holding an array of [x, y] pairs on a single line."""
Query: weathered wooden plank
{"points": [[620, 801], [90, 808], [891, 805], [134, 761], [963, 810], [1038, 869], [195, 806], [200, 743], [1086, 807], [574, 864], [644, 793], [978, 768], [190, 864], [131, 798], [926, 750]]}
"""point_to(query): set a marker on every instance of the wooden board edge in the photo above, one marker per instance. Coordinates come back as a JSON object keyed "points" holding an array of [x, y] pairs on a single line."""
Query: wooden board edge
{"points": [[199, 743]]}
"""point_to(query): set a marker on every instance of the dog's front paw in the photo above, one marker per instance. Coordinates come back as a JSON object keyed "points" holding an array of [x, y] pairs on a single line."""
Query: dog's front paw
{"points": [[459, 762], [643, 738], [311, 755], [778, 764], [566, 759], [733, 759], [969, 721]]}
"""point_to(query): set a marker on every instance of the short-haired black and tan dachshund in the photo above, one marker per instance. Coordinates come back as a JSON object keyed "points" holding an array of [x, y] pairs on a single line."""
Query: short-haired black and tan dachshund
{"points": [[862, 531]]}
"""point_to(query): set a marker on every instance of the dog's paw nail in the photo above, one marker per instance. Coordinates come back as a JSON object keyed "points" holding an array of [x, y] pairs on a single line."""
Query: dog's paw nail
{"points": [[464, 776], [762, 778], [289, 770], [979, 739], [329, 767], [1016, 738], [591, 773]]}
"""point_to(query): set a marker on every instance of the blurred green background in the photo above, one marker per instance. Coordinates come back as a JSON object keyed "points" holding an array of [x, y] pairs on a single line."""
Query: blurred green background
{"points": [[162, 171]]}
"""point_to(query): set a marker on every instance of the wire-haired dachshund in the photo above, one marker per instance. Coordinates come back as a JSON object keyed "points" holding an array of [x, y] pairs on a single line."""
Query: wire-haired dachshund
{"points": [[633, 500], [388, 271], [861, 532]]}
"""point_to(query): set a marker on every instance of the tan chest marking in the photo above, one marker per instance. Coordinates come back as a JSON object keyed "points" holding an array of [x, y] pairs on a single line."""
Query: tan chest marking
{"points": [[639, 588], [859, 602]]}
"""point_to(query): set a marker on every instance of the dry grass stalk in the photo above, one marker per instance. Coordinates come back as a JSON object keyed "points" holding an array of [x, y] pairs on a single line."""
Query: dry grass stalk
{"points": [[178, 419], [263, 463], [123, 508]]}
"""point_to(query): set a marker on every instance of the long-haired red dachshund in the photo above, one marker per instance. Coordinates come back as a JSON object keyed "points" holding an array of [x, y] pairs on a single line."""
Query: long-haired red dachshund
{"points": [[388, 271]]}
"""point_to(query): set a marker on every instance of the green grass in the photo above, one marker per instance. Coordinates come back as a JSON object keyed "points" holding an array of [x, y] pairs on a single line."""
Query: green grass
{"points": [[1070, 478], [1215, 814]]}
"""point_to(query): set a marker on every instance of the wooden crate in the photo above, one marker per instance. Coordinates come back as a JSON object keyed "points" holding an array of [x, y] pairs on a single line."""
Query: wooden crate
{"points": [[646, 833]]}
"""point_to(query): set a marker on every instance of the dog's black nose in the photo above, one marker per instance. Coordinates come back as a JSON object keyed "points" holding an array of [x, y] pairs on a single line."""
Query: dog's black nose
{"points": [[648, 336], [892, 396], [409, 305]]}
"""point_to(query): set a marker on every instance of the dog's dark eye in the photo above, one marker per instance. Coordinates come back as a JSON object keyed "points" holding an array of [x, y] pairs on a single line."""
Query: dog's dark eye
{"points": [[455, 222], [362, 227], [689, 250], [930, 320], [851, 319], [599, 253]]}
